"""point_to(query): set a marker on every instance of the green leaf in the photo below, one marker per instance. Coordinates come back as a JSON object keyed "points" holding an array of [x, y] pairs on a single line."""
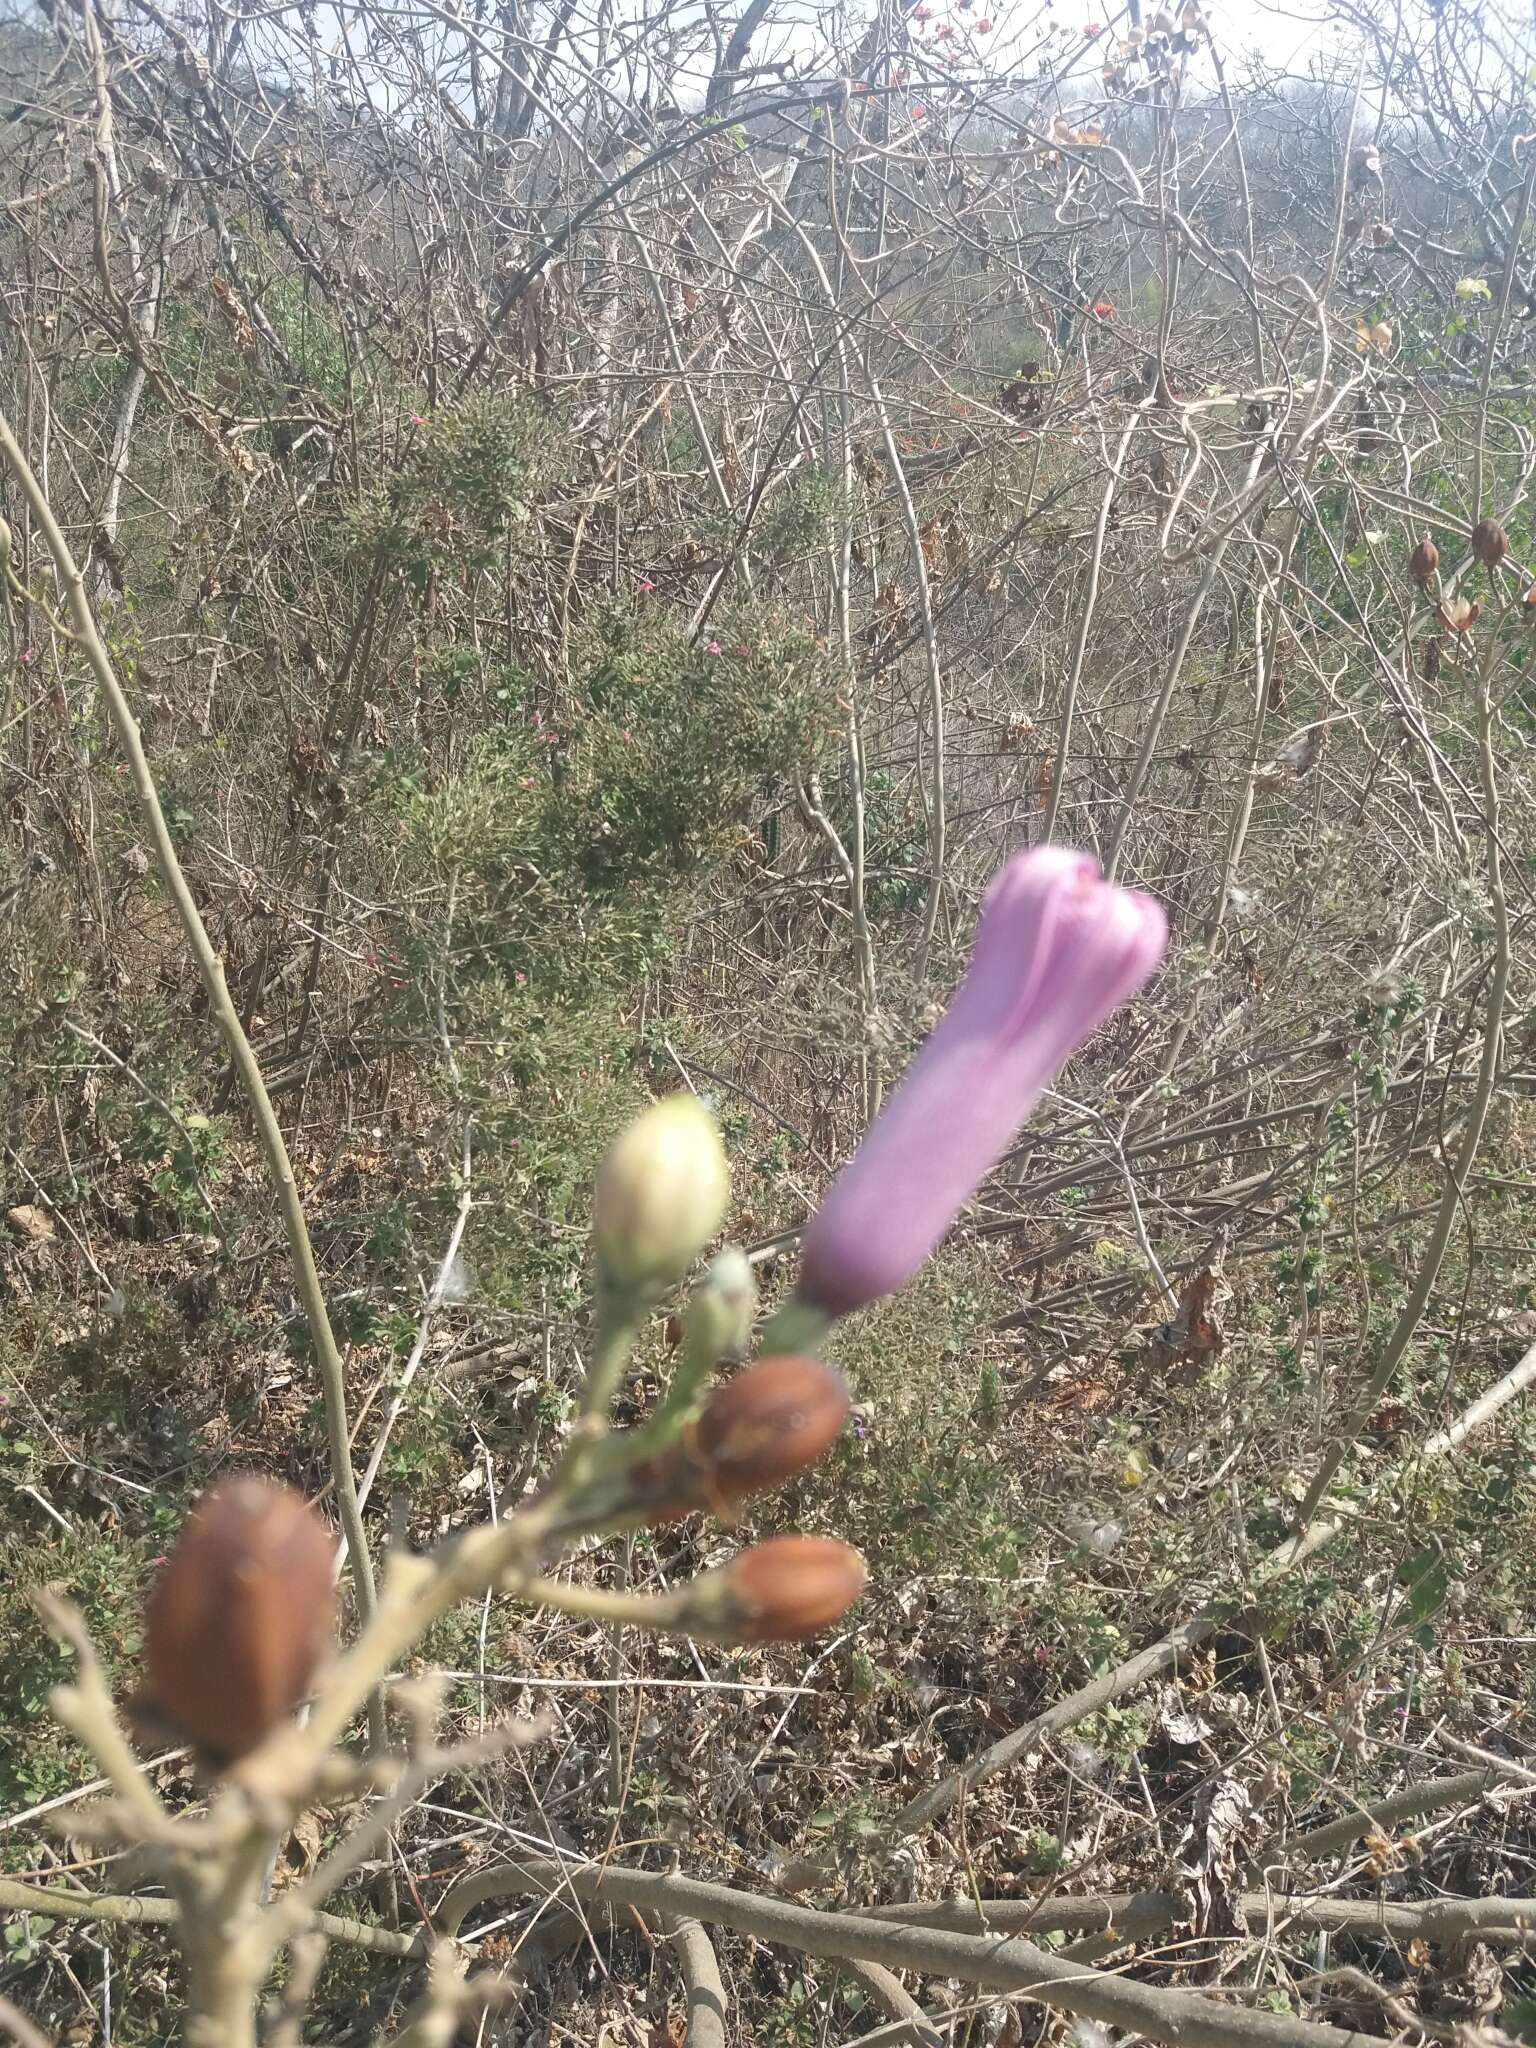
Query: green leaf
{"points": [[1427, 1579]]}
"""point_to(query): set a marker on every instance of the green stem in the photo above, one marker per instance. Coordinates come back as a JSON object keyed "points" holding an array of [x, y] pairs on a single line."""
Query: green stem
{"points": [[796, 1330], [619, 1315]]}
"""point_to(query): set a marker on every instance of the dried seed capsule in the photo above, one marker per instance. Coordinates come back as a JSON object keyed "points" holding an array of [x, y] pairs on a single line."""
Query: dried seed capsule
{"points": [[1458, 615], [242, 1614], [759, 1429], [1490, 543], [792, 1586], [1424, 560], [768, 1423], [777, 1592]]}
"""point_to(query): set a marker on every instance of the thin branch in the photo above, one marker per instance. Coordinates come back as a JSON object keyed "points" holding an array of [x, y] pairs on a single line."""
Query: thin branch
{"points": [[269, 1131]]}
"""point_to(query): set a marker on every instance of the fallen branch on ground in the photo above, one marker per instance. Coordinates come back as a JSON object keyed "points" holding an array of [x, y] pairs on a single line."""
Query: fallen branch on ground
{"points": [[1183, 2019], [1159, 1657]]}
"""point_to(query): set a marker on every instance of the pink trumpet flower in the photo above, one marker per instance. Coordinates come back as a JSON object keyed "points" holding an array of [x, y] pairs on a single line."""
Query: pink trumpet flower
{"points": [[1057, 949]]}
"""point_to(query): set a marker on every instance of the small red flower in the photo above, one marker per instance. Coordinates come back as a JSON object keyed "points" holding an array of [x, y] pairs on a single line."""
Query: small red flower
{"points": [[984, 26], [1103, 310], [1094, 30], [919, 111]]}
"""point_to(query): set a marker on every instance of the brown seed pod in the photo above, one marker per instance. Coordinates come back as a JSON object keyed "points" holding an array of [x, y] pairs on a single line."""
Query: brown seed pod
{"points": [[769, 1422], [242, 1614], [1490, 543], [791, 1586], [1528, 603], [1424, 560], [759, 1429]]}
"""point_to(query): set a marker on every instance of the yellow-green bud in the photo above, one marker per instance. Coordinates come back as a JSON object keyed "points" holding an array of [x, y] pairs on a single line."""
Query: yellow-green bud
{"points": [[660, 1195], [721, 1308]]}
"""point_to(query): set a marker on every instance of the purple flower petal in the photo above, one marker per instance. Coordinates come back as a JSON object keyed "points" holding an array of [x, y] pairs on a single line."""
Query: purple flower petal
{"points": [[1057, 949]]}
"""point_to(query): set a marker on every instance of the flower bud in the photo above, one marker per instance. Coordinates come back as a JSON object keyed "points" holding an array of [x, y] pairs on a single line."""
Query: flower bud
{"points": [[1490, 543], [776, 1592], [1057, 949], [1424, 560], [242, 1614], [661, 1194], [721, 1307]]}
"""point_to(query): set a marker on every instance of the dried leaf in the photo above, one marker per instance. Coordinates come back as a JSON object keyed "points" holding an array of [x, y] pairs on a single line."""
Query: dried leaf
{"points": [[1302, 750], [31, 1222], [1081, 1396], [242, 333], [1182, 1728], [1299, 754], [1206, 1872], [1194, 1337], [957, 545], [300, 1853], [932, 537]]}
